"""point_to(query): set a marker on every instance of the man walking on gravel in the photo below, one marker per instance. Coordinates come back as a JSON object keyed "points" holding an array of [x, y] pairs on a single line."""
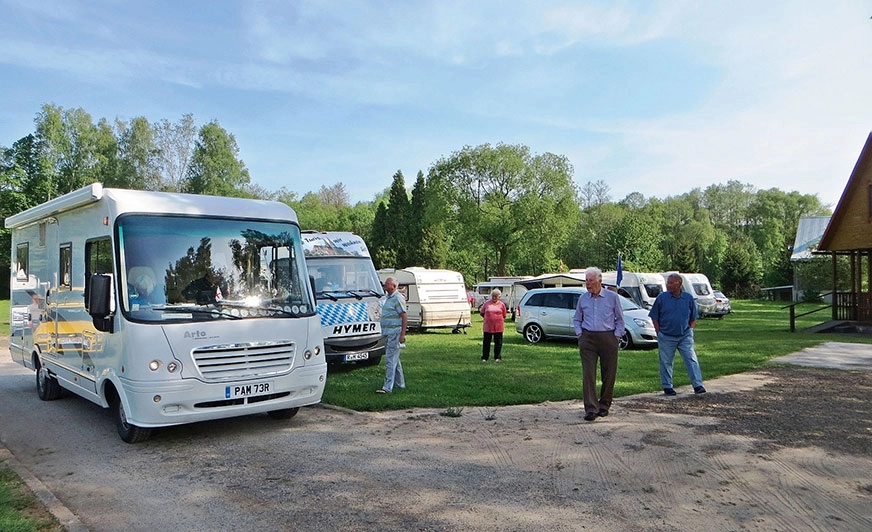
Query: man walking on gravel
{"points": [[674, 315]]}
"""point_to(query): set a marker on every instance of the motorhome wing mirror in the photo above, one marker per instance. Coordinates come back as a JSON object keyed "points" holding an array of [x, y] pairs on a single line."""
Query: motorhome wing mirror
{"points": [[100, 301], [312, 283]]}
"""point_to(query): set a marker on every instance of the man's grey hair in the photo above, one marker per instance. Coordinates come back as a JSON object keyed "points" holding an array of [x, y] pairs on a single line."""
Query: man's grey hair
{"points": [[675, 275], [593, 270]]}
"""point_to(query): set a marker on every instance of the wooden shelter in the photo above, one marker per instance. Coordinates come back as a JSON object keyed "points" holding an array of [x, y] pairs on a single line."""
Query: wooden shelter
{"points": [[849, 233]]}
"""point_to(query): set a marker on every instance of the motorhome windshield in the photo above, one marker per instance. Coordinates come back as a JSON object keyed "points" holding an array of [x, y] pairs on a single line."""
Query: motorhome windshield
{"points": [[195, 268], [336, 276]]}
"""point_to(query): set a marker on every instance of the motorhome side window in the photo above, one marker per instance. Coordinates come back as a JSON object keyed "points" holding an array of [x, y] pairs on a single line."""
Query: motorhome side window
{"points": [[98, 257], [201, 269], [22, 261], [65, 268]]}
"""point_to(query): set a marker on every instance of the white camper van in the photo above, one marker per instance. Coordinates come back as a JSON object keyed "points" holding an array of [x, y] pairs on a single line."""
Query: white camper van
{"points": [[347, 292], [435, 298], [642, 288], [697, 285], [168, 308]]}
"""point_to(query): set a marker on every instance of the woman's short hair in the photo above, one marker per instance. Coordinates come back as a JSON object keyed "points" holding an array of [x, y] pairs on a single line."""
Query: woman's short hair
{"points": [[496, 291]]}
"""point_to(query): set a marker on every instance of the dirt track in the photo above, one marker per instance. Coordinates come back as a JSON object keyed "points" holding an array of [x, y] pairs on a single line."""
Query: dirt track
{"points": [[743, 457]]}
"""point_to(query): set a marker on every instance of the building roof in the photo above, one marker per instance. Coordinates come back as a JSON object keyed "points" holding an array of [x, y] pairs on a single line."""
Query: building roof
{"points": [[808, 233], [849, 227]]}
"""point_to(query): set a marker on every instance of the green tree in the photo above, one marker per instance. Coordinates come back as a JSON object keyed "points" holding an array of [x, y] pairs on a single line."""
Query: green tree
{"points": [[67, 143], [505, 198], [390, 235], [741, 276], [175, 143], [427, 226], [139, 155], [215, 165], [383, 255]]}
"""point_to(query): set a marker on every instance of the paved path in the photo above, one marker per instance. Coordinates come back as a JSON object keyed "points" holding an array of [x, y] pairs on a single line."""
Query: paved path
{"points": [[836, 355]]}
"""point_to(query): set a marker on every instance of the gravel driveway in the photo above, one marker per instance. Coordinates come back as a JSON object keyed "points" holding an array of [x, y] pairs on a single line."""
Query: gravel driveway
{"points": [[783, 448]]}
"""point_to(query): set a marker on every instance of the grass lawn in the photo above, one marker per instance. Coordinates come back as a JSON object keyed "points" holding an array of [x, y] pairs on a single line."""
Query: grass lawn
{"points": [[444, 370]]}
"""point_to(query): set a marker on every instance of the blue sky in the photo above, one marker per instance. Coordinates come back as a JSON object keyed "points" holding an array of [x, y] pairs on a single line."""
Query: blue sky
{"points": [[651, 97]]}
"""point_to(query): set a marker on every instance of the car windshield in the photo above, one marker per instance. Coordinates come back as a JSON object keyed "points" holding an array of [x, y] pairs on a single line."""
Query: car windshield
{"points": [[196, 268], [627, 304]]}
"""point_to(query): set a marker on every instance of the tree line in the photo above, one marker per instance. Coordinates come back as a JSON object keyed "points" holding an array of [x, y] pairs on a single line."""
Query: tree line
{"points": [[485, 210]]}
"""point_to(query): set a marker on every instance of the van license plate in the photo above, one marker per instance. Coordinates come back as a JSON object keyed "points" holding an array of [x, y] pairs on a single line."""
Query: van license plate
{"points": [[356, 356], [236, 391]]}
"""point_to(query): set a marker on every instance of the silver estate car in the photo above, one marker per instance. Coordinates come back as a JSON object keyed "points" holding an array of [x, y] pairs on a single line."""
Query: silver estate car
{"points": [[547, 313]]}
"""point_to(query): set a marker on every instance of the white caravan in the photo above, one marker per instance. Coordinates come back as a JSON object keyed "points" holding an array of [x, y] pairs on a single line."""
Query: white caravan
{"points": [[512, 292], [642, 288], [435, 298], [347, 291], [697, 285], [168, 308]]}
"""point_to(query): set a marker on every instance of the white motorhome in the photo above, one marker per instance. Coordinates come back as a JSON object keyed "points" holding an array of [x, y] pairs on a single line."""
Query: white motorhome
{"points": [[347, 292], [168, 308], [698, 285], [435, 298], [642, 288], [512, 292]]}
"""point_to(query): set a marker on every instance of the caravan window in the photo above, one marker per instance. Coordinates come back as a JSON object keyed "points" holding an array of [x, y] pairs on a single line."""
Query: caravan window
{"points": [[701, 289], [653, 290]]}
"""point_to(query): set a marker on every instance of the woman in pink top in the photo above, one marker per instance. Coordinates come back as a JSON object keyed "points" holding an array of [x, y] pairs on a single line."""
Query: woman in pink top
{"points": [[494, 312]]}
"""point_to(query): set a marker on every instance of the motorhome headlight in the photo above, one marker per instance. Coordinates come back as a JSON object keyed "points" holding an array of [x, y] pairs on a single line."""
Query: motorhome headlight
{"points": [[312, 352], [154, 365], [172, 366]]}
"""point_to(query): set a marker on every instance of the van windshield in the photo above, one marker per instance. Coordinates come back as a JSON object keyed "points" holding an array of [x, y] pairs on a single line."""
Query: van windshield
{"points": [[342, 276], [197, 268]]}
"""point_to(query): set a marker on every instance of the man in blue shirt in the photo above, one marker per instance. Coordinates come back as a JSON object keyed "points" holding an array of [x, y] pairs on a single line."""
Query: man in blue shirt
{"points": [[674, 315], [599, 325]]}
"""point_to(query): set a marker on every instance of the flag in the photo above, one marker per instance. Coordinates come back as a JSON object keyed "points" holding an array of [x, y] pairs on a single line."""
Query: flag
{"points": [[620, 269]]}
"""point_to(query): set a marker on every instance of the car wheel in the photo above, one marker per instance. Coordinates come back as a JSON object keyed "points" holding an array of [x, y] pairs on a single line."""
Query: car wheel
{"points": [[533, 333], [626, 342]]}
